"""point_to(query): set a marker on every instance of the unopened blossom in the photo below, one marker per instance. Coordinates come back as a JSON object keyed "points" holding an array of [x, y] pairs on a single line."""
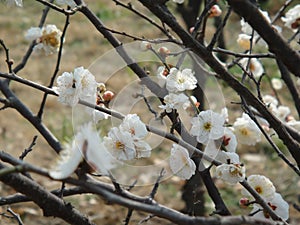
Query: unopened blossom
{"points": [[178, 81], [244, 41], [207, 125], [292, 18], [262, 185], [47, 38], [70, 3], [276, 83], [18, 3], [255, 67], [215, 11], [231, 173], [180, 162], [277, 204], [86, 145], [76, 85], [120, 144], [175, 101], [145, 45], [246, 131], [133, 125], [163, 52]]}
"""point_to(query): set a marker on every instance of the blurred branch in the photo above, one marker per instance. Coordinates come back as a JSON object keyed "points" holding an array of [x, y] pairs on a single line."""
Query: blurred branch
{"points": [[276, 43], [49, 203]]}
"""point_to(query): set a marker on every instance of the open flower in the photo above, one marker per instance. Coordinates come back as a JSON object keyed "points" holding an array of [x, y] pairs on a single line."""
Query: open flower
{"points": [[86, 145], [181, 163], [246, 130], [133, 124], [292, 18], [262, 185], [175, 101], [181, 80], [231, 173], [120, 144], [207, 125], [47, 38], [278, 204], [80, 84], [255, 66], [244, 41]]}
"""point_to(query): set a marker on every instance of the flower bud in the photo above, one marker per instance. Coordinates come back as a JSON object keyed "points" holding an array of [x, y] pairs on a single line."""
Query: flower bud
{"points": [[215, 11], [108, 95], [163, 51], [145, 45], [244, 202]]}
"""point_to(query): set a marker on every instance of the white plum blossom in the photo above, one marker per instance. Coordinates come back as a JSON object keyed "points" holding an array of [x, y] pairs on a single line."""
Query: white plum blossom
{"points": [[120, 144], [69, 159], [294, 123], [278, 204], [175, 101], [229, 140], [247, 29], [80, 84], [276, 83], [246, 130], [180, 162], [262, 185], [244, 41], [292, 18], [70, 3], [162, 73], [231, 173], [181, 80], [133, 124], [213, 150], [47, 38], [282, 112], [255, 67], [270, 102], [86, 145], [18, 3], [207, 125], [178, 1], [143, 149]]}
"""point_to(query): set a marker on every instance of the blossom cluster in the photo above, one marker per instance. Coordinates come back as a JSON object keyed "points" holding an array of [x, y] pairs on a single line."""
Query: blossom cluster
{"points": [[265, 188]]}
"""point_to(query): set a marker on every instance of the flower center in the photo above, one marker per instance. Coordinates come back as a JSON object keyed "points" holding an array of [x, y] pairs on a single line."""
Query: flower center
{"points": [[258, 189], [244, 131], [207, 126], [181, 80], [120, 145], [50, 39]]}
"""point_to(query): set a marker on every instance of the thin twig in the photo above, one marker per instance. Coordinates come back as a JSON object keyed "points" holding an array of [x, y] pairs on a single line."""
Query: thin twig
{"points": [[8, 61], [29, 149], [15, 215], [41, 110]]}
